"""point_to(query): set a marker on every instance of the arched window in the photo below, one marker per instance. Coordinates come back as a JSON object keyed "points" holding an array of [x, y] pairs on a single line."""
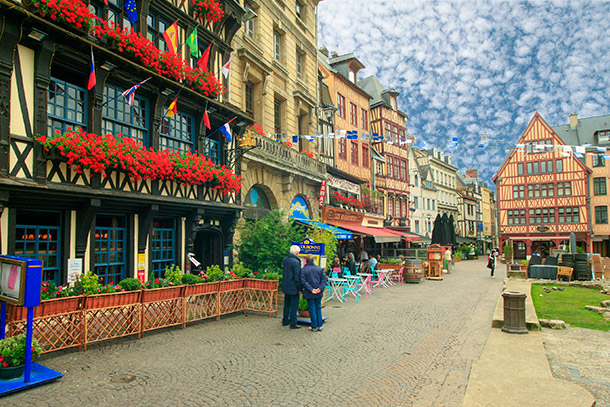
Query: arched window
{"points": [[257, 198]]}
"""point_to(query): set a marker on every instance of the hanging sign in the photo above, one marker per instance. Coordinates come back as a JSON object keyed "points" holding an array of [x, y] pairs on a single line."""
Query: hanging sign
{"points": [[322, 196], [75, 268], [299, 208]]}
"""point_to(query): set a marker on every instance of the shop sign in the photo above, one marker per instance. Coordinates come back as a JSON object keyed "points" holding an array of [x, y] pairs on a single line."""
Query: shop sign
{"points": [[322, 196], [331, 215], [299, 208], [142, 267], [343, 184], [308, 246]]}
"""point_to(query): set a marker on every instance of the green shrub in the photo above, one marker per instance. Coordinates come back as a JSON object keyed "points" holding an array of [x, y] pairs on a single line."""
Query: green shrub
{"points": [[458, 256], [214, 273], [87, 283], [173, 275], [241, 271], [303, 304], [191, 279], [130, 284], [270, 276]]}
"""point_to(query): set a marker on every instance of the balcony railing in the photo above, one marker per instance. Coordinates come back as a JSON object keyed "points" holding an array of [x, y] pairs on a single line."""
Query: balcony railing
{"points": [[285, 158]]}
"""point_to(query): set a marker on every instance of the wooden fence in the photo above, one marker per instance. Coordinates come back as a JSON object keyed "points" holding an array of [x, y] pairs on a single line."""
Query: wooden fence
{"points": [[63, 323]]}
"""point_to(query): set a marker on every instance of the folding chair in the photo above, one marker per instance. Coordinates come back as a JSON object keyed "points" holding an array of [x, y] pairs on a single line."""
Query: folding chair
{"points": [[398, 277]]}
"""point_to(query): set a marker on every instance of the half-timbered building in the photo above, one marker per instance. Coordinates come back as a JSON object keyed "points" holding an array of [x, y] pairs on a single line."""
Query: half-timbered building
{"points": [[119, 226], [388, 120], [542, 194], [594, 132]]}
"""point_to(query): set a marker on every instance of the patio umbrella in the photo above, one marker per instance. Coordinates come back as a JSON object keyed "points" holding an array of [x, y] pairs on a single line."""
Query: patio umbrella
{"points": [[446, 236], [436, 231], [572, 242], [452, 231]]}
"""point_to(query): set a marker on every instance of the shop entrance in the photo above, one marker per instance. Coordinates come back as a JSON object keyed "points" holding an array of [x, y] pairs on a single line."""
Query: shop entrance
{"points": [[208, 248]]}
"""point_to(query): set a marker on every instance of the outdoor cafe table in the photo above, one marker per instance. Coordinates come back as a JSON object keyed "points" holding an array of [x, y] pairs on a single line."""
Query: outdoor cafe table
{"points": [[352, 282], [363, 277], [383, 277], [336, 288]]}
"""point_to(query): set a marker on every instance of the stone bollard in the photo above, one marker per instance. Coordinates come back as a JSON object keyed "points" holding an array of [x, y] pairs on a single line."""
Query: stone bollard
{"points": [[514, 312]]}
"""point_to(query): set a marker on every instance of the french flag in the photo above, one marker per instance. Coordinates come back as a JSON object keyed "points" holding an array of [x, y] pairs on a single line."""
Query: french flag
{"points": [[92, 80]]}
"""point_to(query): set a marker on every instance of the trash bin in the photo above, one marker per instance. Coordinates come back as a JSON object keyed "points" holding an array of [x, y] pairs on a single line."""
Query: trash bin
{"points": [[514, 312]]}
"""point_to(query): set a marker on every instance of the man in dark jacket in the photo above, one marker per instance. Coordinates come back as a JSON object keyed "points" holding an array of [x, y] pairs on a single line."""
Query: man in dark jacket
{"points": [[314, 281], [291, 286]]}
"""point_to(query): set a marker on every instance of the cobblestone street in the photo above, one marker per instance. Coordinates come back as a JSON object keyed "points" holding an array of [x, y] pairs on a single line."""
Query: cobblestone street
{"points": [[412, 346]]}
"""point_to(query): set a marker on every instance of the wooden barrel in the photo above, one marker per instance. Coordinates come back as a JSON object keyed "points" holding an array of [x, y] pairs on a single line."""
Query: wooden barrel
{"points": [[413, 272]]}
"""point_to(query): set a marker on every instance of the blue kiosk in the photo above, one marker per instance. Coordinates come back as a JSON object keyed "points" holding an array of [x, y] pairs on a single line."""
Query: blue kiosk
{"points": [[20, 281]]}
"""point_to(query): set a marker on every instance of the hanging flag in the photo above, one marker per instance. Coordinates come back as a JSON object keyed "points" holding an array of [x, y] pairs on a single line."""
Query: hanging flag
{"points": [[106, 2], [92, 80], [206, 119], [375, 136], [352, 135], [130, 93], [173, 108], [171, 37], [226, 68], [226, 131], [132, 11], [203, 61], [295, 139], [191, 41], [310, 138]]}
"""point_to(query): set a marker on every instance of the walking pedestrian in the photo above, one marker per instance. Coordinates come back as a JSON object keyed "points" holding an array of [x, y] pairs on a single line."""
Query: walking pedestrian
{"points": [[491, 262], [313, 280], [291, 286], [447, 257]]}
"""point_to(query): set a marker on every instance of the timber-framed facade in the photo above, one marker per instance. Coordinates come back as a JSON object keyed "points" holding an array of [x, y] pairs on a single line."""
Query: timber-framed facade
{"points": [[118, 227], [542, 194]]}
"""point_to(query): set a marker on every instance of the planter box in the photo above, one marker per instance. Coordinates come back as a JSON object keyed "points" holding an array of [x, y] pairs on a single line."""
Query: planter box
{"points": [[230, 285], [385, 266], [203, 288], [161, 294], [54, 306], [112, 300], [258, 284]]}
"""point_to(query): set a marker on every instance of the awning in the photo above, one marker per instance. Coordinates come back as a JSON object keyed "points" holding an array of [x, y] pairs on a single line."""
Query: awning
{"points": [[381, 235], [339, 233], [544, 238], [461, 239], [409, 237]]}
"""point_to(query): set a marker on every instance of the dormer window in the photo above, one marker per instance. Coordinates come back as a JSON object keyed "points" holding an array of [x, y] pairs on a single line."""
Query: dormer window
{"points": [[352, 76], [603, 136]]}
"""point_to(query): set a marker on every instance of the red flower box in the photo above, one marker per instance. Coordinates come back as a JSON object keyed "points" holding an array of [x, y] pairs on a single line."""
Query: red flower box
{"points": [[161, 294], [203, 288], [112, 299], [229, 285], [47, 307]]}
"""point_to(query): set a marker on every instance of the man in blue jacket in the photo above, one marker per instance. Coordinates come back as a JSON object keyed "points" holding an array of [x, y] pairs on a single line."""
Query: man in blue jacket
{"points": [[314, 281], [291, 286]]}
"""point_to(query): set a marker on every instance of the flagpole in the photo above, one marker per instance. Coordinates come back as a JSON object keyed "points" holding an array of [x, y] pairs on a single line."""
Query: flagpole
{"points": [[121, 94], [208, 135], [165, 112]]}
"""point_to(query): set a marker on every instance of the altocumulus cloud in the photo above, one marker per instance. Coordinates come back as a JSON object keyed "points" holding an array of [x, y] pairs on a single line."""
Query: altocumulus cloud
{"points": [[468, 68]]}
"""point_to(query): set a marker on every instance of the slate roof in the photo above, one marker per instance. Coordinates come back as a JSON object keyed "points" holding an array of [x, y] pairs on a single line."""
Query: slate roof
{"points": [[584, 132]]}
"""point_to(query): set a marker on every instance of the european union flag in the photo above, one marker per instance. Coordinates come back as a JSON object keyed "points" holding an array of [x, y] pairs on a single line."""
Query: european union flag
{"points": [[132, 12]]}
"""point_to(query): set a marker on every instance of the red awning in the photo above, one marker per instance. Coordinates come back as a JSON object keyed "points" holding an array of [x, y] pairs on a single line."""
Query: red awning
{"points": [[381, 235], [545, 238]]}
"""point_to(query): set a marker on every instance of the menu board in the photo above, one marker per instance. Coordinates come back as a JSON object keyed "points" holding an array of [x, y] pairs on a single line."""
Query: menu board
{"points": [[12, 280]]}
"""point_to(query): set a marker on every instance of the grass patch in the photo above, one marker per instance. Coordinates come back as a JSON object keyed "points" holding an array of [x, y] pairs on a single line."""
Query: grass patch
{"points": [[569, 306]]}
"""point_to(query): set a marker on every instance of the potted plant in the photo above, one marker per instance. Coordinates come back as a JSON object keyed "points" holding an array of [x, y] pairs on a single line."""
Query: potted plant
{"points": [[303, 310], [524, 264], [12, 356]]}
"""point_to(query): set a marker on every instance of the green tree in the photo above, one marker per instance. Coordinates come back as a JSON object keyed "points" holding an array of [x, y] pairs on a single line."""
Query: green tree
{"points": [[264, 243], [320, 235]]}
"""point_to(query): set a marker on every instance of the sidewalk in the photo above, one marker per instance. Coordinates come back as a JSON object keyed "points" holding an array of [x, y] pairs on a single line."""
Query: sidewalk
{"points": [[514, 370]]}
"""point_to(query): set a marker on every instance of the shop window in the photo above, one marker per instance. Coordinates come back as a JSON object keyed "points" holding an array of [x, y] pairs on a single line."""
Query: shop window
{"points": [[66, 107], [119, 117], [178, 132], [38, 236], [110, 262], [163, 245]]}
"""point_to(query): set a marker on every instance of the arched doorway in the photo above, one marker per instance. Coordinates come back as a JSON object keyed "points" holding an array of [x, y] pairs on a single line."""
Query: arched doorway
{"points": [[207, 248]]}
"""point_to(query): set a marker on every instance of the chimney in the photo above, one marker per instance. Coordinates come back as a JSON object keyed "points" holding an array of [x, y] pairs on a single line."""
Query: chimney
{"points": [[335, 55], [324, 51], [573, 121], [472, 173]]}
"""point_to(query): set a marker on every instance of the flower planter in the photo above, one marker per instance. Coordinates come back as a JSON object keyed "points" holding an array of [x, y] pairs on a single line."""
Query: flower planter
{"points": [[304, 314], [8, 373], [161, 294], [385, 266], [112, 299], [230, 285], [47, 307], [259, 284], [203, 288]]}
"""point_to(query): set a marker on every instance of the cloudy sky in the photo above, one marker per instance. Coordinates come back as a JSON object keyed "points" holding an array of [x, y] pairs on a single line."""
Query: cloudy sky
{"points": [[478, 67]]}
